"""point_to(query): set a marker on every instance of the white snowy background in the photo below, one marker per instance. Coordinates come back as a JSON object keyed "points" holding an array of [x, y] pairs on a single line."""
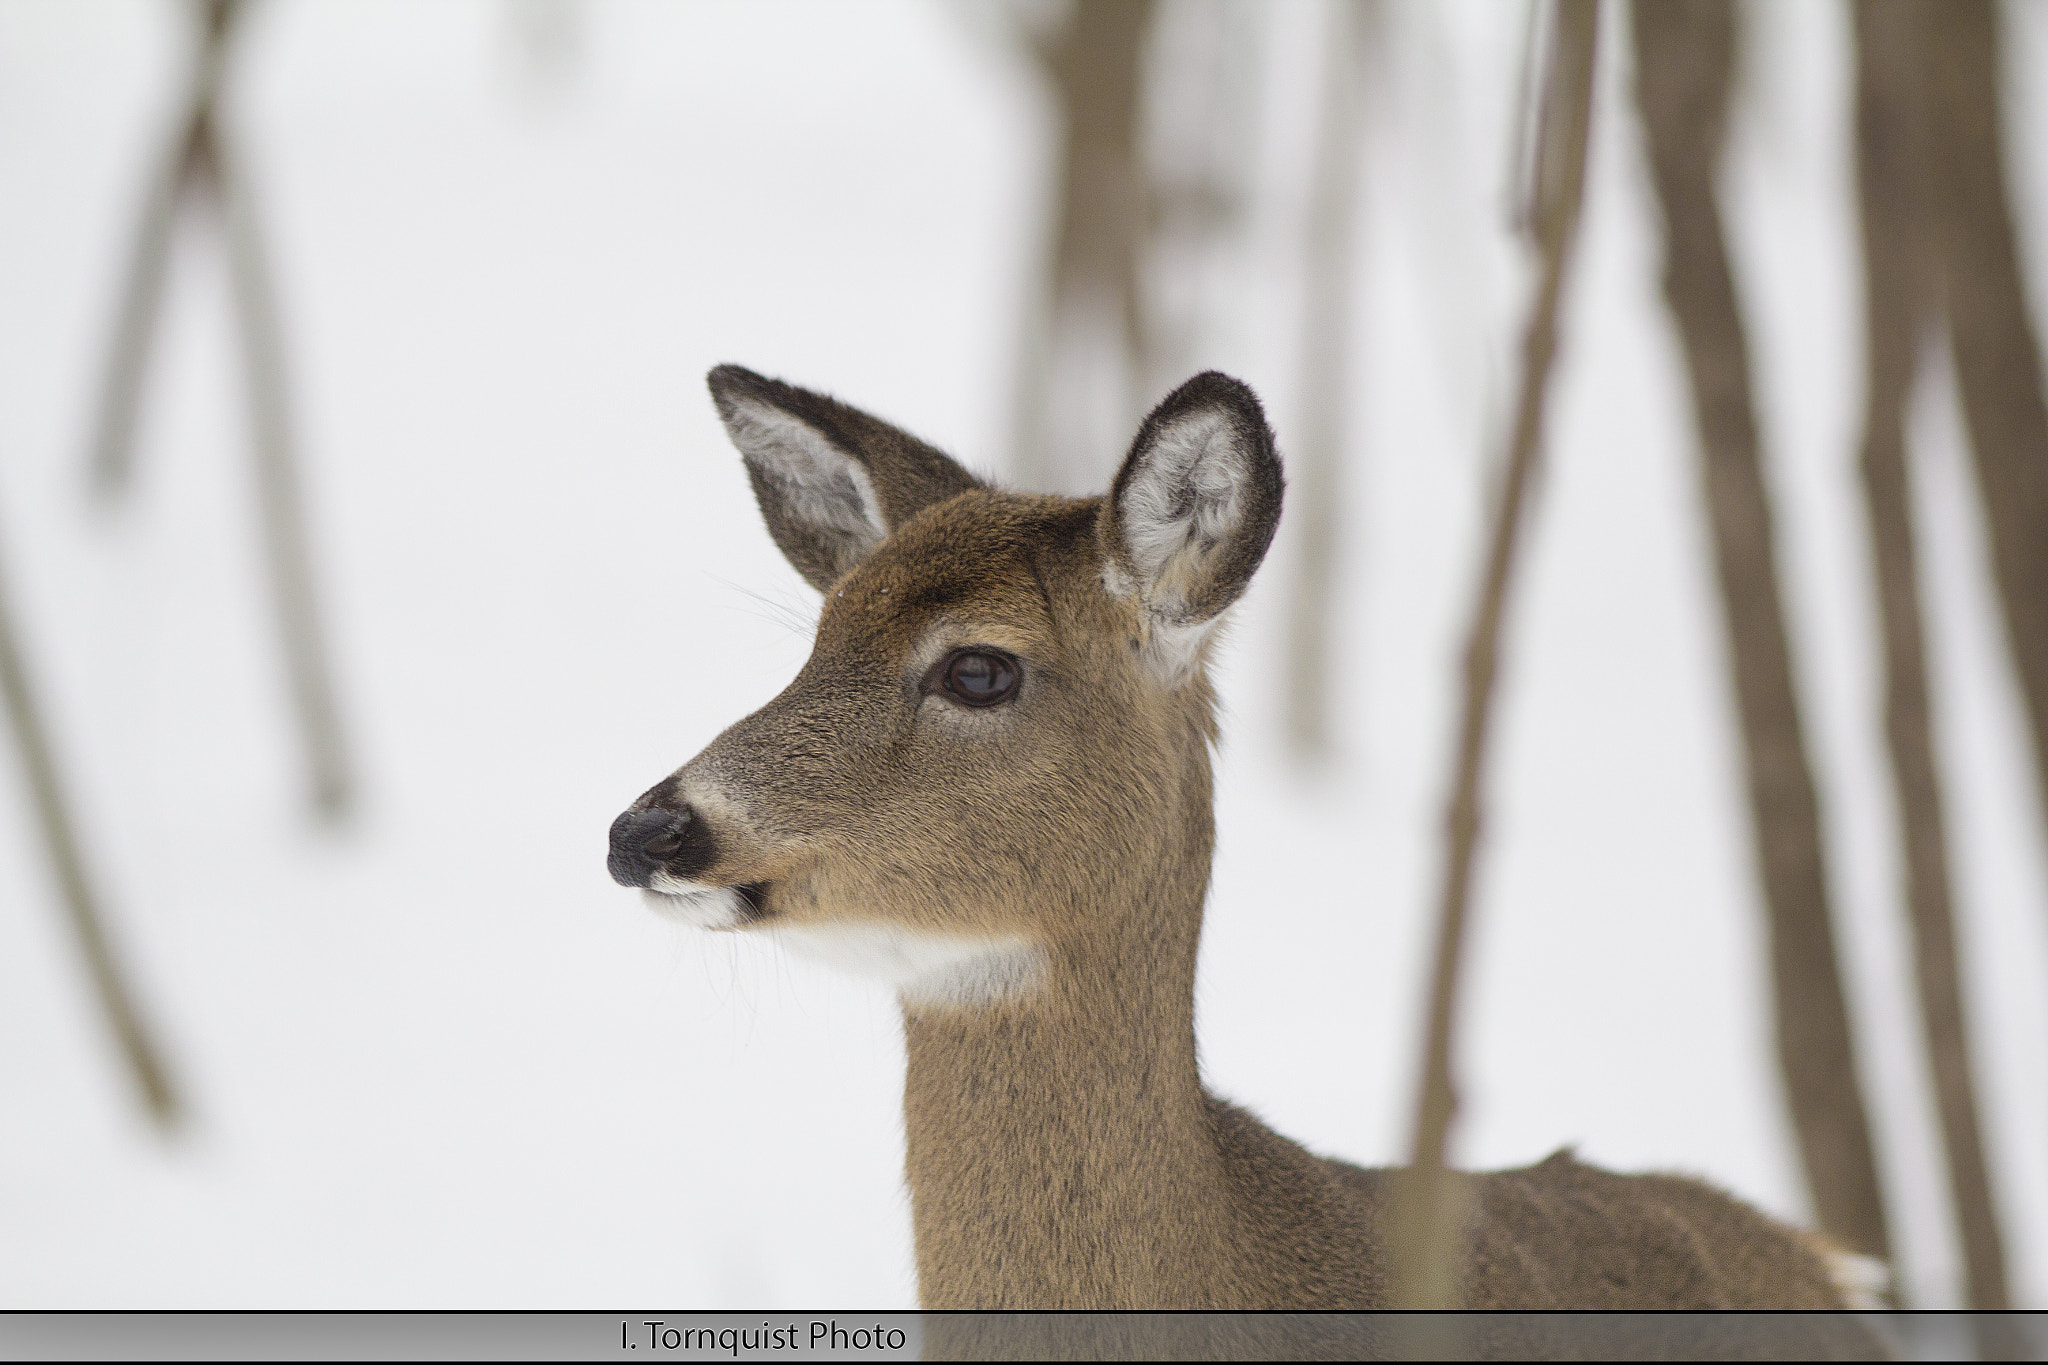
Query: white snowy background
{"points": [[438, 1060]]}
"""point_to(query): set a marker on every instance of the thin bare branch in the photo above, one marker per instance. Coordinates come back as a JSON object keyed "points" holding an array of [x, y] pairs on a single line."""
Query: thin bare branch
{"points": [[279, 497], [113, 446], [117, 1001], [203, 166], [1427, 1223]]}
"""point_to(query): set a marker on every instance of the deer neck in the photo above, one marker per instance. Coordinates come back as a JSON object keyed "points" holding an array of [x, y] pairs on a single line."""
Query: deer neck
{"points": [[1059, 1147]]}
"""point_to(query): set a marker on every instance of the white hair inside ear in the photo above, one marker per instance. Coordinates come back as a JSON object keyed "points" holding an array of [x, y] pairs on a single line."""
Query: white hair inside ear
{"points": [[819, 483], [1183, 502]]}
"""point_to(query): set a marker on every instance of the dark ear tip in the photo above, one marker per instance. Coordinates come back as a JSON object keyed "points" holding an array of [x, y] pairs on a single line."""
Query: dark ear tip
{"points": [[1215, 389], [726, 381], [1214, 386]]}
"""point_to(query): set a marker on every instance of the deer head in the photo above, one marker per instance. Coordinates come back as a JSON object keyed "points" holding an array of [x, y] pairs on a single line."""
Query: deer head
{"points": [[996, 758]]}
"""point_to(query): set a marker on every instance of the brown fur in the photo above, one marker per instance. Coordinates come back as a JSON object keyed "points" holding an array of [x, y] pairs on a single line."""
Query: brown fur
{"points": [[1062, 1151]]}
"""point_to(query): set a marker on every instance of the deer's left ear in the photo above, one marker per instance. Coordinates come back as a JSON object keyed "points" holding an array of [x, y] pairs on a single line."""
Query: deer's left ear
{"points": [[833, 482], [1190, 515]]}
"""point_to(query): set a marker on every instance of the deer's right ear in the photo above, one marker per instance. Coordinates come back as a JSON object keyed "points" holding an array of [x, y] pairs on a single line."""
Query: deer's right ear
{"points": [[1190, 515], [832, 481]]}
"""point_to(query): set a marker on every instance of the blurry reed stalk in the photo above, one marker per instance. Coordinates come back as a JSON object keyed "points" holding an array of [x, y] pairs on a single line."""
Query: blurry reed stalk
{"points": [[200, 164], [1685, 52], [1427, 1219], [1902, 288], [117, 1001]]}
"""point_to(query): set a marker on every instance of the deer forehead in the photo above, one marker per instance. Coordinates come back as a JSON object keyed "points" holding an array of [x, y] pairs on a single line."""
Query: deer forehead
{"points": [[978, 569]]}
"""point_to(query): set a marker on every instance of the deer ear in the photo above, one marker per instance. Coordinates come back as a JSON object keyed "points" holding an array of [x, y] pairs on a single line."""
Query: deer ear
{"points": [[1190, 515], [832, 481]]}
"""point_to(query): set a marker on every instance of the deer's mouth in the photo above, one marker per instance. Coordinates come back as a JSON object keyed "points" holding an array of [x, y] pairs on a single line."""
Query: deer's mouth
{"points": [[706, 907]]}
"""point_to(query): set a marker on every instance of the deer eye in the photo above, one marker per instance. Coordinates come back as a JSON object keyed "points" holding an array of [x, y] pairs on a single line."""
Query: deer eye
{"points": [[976, 677]]}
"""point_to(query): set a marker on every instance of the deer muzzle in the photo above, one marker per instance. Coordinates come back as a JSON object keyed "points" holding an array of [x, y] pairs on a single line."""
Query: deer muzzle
{"points": [[648, 841]]}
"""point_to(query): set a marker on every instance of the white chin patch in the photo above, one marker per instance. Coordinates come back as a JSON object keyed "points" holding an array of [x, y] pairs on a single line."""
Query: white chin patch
{"points": [[925, 969], [700, 907]]}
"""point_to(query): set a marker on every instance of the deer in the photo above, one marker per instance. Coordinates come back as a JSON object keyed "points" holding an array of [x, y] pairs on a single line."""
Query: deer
{"points": [[989, 787]]}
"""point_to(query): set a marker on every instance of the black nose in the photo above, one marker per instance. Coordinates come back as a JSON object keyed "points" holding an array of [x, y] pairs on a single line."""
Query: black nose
{"points": [[646, 841]]}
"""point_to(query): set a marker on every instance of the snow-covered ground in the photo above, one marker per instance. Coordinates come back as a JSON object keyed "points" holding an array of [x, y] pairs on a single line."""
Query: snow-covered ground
{"points": [[437, 1059]]}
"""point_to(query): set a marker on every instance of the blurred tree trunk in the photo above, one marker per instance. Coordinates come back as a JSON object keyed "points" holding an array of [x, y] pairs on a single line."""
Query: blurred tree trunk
{"points": [[1426, 1218], [1900, 272], [1082, 362], [1315, 457], [1997, 358], [117, 1000], [1197, 120], [1684, 61]]}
